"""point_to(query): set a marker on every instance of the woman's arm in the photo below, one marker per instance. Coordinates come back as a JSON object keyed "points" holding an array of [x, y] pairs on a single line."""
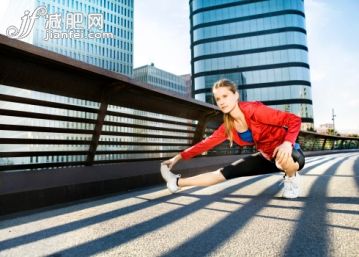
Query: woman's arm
{"points": [[218, 137], [290, 121], [172, 162]]}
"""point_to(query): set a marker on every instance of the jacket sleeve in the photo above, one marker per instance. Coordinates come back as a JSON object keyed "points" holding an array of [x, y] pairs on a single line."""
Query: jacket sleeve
{"points": [[290, 121], [218, 137]]}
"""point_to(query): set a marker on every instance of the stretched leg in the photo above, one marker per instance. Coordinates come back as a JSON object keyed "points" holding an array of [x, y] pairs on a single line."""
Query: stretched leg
{"points": [[205, 179], [254, 164]]}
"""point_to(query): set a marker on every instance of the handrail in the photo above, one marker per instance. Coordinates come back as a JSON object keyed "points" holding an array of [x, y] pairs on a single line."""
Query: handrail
{"points": [[98, 132]]}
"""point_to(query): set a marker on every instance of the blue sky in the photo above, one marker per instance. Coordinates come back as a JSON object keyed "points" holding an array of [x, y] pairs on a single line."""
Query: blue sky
{"points": [[162, 36]]}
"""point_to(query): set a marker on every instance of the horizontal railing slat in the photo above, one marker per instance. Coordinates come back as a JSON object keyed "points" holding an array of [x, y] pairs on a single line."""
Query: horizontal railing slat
{"points": [[63, 130], [44, 129], [43, 141], [127, 125], [105, 133], [43, 116], [44, 103], [143, 143], [80, 142], [84, 131], [70, 153], [133, 116], [39, 165]]}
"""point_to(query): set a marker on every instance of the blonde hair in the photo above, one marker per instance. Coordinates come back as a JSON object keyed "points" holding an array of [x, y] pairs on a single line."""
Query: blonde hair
{"points": [[227, 118]]}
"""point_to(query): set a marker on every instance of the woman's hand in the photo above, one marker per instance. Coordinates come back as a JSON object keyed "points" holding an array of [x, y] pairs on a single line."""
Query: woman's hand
{"points": [[171, 162], [283, 154]]}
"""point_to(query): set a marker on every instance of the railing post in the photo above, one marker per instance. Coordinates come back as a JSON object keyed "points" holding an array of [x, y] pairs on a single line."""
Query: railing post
{"points": [[105, 97], [323, 146], [349, 144], [333, 144], [341, 144], [313, 143]]}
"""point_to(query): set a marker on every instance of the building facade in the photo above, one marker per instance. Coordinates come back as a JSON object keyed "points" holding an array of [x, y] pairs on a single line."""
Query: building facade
{"points": [[160, 79], [112, 50], [188, 82], [261, 45]]}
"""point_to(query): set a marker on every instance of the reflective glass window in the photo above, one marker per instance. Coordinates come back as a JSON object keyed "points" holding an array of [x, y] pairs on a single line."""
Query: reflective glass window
{"points": [[248, 60], [196, 4], [278, 93], [255, 77], [201, 97], [288, 20], [302, 110], [244, 10]]}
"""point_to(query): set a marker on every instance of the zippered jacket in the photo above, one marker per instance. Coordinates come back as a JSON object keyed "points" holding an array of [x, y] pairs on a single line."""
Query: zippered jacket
{"points": [[269, 127]]}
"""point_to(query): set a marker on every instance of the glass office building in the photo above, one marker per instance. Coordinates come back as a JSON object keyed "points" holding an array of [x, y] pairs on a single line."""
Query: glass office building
{"points": [[111, 53], [261, 45], [161, 79], [103, 28]]}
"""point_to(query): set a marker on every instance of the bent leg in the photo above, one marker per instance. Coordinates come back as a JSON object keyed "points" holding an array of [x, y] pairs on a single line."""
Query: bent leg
{"points": [[254, 164], [294, 163]]}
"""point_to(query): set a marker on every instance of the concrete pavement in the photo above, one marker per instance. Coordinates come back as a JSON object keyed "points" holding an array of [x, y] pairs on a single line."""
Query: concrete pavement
{"points": [[241, 217]]}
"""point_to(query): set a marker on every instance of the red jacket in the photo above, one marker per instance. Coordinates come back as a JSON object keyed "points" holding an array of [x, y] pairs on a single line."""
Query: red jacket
{"points": [[270, 128]]}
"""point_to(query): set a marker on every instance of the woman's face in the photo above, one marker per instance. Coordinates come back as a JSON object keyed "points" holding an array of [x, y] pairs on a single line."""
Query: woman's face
{"points": [[226, 100]]}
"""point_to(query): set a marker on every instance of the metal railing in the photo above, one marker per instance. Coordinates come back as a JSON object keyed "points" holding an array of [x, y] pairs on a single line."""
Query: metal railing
{"points": [[92, 116], [311, 141], [69, 130], [58, 112]]}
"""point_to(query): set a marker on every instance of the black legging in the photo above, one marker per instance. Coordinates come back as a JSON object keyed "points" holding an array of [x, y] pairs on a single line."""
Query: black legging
{"points": [[256, 164]]}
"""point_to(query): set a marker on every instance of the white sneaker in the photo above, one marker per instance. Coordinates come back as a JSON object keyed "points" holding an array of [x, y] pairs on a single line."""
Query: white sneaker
{"points": [[291, 186], [170, 178]]}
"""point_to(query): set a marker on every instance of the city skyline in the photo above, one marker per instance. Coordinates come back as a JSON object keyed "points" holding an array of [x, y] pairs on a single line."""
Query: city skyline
{"points": [[161, 36]]}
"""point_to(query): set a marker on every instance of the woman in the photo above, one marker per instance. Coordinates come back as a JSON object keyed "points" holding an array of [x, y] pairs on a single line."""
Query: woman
{"points": [[273, 133]]}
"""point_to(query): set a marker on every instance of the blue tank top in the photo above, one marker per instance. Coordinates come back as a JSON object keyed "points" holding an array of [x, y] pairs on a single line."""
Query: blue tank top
{"points": [[246, 136]]}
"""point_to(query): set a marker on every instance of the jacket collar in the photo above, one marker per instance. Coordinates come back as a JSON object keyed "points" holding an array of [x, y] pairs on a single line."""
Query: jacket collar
{"points": [[248, 109]]}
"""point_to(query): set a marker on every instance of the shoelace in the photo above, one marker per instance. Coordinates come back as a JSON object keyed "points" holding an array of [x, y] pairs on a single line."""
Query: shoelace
{"points": [[282, 182]]}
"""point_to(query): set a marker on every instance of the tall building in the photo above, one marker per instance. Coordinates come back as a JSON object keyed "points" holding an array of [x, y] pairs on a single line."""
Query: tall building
{"points": [[188, 82], [261, 45], [161, 79], [111, 52]]}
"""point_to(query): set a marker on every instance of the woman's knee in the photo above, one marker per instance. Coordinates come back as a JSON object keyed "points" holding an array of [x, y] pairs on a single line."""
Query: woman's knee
{"points": [[298, 157], [219, 175]]}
